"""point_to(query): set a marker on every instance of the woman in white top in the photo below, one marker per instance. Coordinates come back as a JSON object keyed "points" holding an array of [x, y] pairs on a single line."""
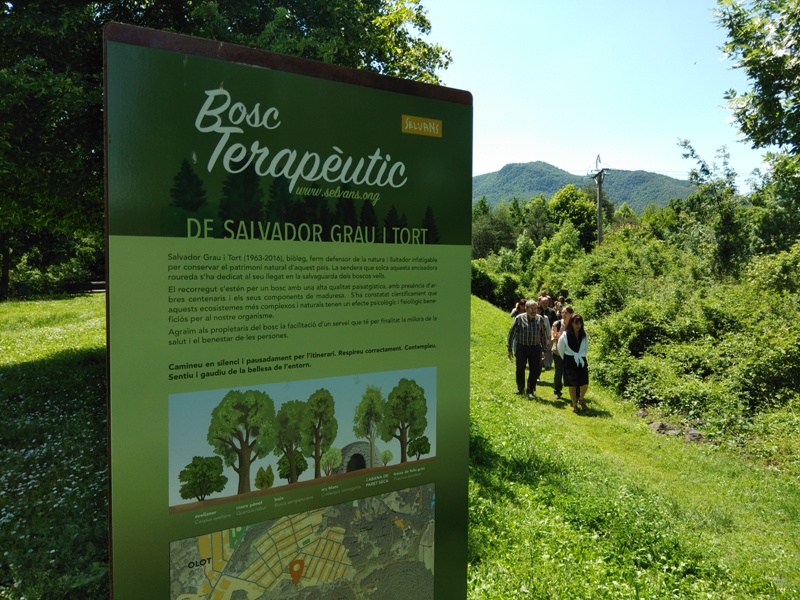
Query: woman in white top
{"points": [[572, 348]]}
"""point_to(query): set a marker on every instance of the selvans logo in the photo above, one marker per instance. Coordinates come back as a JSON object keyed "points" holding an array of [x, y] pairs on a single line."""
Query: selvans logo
{"points": [[421, 126]]}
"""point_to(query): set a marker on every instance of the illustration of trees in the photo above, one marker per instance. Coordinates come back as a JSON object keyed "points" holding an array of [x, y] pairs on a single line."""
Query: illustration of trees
{"points": [[429, 223], [345, 212], [285, 471], [242, 197], [405, 415], [242, 429], [386, 457], [201, 477], [331, 459], [292, 421], [265, 478], [187, 189], [280, 204], [368, 417], [321, 428], [367, 215], [392, 221], [419, 446]]}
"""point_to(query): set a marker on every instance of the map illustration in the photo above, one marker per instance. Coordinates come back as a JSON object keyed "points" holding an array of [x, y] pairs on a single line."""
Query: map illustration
{"points": [[379, 547]]}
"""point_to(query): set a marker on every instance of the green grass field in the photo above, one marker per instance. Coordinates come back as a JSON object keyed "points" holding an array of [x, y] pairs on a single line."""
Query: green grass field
{"points": [[561, 505]]}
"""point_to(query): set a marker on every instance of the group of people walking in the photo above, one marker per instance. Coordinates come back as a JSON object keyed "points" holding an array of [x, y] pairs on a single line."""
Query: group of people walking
{"points": [[541, 329]]}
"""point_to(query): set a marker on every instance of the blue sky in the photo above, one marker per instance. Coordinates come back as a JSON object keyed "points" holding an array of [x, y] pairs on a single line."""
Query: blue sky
{"points": [[564, 82]]}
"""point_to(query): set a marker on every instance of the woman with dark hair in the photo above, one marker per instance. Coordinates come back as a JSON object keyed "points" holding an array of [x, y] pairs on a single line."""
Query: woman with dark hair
{"points": [[572, 349]]}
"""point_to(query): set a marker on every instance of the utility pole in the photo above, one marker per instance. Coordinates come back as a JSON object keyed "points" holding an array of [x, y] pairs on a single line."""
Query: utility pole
{"points": [[598, 177]]}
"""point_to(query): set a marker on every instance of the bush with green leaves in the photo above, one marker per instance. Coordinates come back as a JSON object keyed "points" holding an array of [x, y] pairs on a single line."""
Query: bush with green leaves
{"points": [[776, 272], [499, 288]]}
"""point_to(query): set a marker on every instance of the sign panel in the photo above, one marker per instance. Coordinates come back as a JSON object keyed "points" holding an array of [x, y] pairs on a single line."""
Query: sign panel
{"points": [[288, 312]]}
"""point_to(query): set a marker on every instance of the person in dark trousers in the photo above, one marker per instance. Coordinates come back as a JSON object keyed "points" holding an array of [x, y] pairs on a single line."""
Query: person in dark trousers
{"points": [[530, 334], [572, 347]]}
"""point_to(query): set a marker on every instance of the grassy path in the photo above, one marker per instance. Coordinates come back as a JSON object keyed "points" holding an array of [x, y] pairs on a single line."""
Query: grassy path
{"points": [[596, 505]]}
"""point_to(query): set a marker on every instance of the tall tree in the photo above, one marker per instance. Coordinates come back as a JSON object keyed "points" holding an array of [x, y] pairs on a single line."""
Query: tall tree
{"points": [[242, 429], [321, 428], [573, 205], [291, 472], [405, 416], [331, 459], [345, 212], [367, 216], [187, 190], [368, 417], [51, 65], [429, 224], [762, 41], [49, 182], [242, 197], [292, 422], [391, 224]]}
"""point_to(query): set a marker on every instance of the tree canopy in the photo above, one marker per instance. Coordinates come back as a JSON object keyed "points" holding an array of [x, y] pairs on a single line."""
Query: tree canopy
{"points": [[763, 42], [201, 477], [242, 430], [51, 62], [405, 415]]}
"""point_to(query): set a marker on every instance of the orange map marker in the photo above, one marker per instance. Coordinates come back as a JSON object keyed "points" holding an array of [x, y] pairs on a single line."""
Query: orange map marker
{"points": [[296, 568]]}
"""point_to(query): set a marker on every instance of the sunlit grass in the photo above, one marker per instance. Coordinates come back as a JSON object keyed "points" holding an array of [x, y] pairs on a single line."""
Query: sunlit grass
{"points": [[598, 506], [561, 505], [53, 515]]}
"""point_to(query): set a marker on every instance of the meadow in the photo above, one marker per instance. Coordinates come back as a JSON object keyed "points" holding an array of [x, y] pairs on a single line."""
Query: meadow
{"points": [[561, 505]]}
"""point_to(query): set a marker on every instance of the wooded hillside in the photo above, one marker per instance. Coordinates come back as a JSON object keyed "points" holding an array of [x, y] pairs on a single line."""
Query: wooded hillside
{"points": [[526, 180]]}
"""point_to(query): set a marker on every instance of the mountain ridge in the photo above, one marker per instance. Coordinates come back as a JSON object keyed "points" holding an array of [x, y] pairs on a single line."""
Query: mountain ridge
{"points": [[527, 180]]}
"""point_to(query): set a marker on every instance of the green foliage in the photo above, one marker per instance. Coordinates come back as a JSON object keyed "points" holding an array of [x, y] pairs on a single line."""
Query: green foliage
{"points": [[405, 415], [265, 478], [419, 446], [242, 430], [386, 457], [290, 470], [292, 422], [491, 231], [368, 417], [625, 215], [762, 41], [550, 264], [51, 78], [491, 284], [321, 427], [331, 459], [775, 210], [202, 477], [56, 263], [643, 516], [572, 205], [187, 190], [776, 272]]}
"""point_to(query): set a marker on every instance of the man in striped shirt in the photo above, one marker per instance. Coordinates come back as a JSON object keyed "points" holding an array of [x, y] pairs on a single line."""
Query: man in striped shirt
{"points": [[531, 335]]}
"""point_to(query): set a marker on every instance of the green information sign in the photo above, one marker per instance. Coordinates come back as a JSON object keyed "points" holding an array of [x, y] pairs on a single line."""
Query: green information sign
{"points": [[288, 311]]}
